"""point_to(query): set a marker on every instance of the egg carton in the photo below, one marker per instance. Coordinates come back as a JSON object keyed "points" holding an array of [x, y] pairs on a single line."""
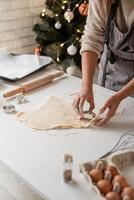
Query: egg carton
{"points": [[123, 161]]}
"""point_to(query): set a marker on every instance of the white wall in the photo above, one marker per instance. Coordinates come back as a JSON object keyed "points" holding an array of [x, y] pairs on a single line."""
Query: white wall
{"points": [[16, 21]]}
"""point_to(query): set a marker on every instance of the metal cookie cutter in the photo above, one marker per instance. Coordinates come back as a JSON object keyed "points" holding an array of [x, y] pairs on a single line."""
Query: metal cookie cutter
{"points": [[21, 99], [10, 109], [88, 115]]}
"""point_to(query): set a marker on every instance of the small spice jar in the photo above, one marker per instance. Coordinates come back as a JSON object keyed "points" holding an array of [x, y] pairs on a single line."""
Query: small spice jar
{"points": [[67, 168]]}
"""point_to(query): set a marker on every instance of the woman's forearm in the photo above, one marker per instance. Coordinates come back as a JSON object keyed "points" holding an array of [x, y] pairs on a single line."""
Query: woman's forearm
{"points": [[126, 91], [89, 62]]}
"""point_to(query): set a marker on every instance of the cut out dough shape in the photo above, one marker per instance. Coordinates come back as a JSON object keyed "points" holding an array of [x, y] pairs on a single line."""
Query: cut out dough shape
{"points": [[53, 113]]}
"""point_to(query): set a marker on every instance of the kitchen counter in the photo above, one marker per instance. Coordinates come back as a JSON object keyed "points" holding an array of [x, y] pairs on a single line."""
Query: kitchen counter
{"points": [[37, 156]]}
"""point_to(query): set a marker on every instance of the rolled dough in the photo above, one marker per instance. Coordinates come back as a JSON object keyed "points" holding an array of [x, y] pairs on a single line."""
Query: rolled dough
{"points": [[53, 113]]}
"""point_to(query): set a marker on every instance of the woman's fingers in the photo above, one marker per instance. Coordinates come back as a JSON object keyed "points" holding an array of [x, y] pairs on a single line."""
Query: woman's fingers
{"points": [[79, 101], [105, 117], [106, 105], [81, 105], [102, 121], [76, 103]]}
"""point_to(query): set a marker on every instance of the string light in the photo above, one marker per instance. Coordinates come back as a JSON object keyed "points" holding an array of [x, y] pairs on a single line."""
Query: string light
{"points": [[58, 60], [62, 44], [63, 7], [43, 14], [78, 31], [56, 15]]}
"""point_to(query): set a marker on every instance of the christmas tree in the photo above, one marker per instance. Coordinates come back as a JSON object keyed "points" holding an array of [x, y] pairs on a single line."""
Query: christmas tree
{"points": [[59, 34]]}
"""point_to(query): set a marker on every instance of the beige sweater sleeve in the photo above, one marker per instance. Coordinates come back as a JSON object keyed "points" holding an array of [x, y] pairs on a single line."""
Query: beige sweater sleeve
{"points": [[93, 37]]}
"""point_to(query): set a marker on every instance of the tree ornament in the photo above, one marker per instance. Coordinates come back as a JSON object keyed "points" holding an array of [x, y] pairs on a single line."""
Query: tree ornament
{"points": [[72, 70], [72, 50], [69, 15], [58, 25], [37, 50], [83, 8]]}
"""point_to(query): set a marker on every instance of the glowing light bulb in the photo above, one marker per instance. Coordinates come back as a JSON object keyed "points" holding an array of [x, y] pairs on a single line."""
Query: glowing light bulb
{"points": [[63, 7], [43, 14], [58, 60]]}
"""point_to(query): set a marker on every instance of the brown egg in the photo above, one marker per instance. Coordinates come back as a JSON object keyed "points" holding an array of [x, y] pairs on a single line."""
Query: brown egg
{"points": [[120, 180], [104, 186], [96, 175], [113, 170], [129, 191], [112, 196]]}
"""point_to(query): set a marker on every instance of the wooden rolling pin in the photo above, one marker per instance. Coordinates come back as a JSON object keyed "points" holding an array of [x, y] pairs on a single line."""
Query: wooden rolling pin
{"points": [[34, 84]]}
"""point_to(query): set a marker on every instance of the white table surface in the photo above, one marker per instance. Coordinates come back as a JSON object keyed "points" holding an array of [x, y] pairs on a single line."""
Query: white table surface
{"points": [[37, 156]]}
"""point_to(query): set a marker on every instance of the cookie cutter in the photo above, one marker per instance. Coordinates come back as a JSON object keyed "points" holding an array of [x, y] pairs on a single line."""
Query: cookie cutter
{"points": [[21, 99], [87, 115], [10, 109]]}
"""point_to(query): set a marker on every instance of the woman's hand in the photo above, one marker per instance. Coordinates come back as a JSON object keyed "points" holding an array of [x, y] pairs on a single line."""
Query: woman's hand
{"points": [[86, 94], [113, 102], [108, 110], [89, 63]]}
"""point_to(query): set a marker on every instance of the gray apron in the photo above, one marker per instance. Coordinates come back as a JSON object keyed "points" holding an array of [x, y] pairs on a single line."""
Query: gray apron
{"points": [[117, 60]]}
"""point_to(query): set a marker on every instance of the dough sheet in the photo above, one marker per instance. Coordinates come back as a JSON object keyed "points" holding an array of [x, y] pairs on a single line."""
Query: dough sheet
{"points": [[53, 113]]}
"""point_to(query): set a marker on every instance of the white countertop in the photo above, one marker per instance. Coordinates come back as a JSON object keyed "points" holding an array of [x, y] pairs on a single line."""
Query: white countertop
{"points": [[37, 156]]}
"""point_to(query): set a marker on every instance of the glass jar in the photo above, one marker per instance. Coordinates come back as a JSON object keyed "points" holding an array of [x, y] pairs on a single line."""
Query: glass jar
{"points": [[67, 168]]}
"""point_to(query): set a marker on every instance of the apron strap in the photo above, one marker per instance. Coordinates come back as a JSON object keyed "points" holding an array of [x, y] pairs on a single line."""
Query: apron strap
{"points": [[110, 18], [112, 13]]}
